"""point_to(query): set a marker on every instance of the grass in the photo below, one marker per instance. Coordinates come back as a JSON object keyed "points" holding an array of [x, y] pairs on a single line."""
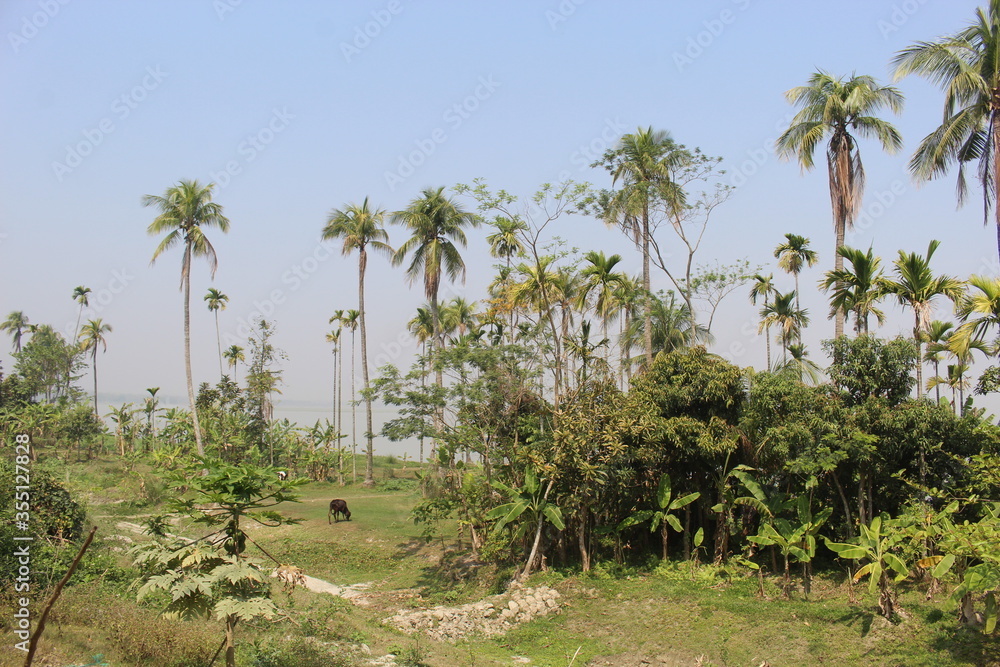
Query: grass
{"points": [[614, 616]]}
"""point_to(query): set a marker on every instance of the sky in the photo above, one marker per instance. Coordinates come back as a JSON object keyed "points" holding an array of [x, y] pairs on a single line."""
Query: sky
{"points": [[296, 108]]}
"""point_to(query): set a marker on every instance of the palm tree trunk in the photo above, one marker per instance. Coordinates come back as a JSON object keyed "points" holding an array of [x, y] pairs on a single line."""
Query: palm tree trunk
{"points": [[218, 342], [354, 418], [95, 380], [186, 278], [995, 129], [370, 454], [920, 358], [647, 309]]}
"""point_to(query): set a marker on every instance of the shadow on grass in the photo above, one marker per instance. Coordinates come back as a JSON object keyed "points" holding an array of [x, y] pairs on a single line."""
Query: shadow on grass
{"points": [[968, 646], [857, 615]]}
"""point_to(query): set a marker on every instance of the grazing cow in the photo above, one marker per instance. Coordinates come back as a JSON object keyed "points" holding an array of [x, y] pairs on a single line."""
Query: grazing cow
{"points": [[338, 507], [282, 475]]}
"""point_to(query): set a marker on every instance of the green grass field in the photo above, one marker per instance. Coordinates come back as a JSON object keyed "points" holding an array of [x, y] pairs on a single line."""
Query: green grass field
{"points": [[659, 615]]}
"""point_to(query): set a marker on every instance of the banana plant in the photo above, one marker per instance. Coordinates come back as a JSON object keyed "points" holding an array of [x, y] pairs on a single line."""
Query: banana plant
{"points": [[876, 548], [665, 516], [796, 539], [533, 503]]}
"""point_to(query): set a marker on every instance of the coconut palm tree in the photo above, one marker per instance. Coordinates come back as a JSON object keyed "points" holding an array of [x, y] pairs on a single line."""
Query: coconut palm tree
{"points": [[437, 227], [16, 324], [80, 294], [186, 210], [857, 289], [92, 337], [217, 301], [783, 314], [351, 320], [793, 255], [964, 64], [644, 163], [916, 286], [980, 311], [840, 109], [458, 315], [763, 289], [234, 354], [361, 228]]}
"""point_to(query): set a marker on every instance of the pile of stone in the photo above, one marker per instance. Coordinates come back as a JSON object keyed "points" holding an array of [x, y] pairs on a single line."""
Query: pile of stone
{"points": [[492, 616]]}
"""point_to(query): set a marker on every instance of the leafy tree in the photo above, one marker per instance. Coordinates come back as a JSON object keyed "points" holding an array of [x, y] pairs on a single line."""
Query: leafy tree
{"points": [[186, 210], [49, 365], [712, 284], [964, 64], [262, 382], [213, 575], [870, 367], [361, 228], [92, 337], [217, 301], [835, 108]]}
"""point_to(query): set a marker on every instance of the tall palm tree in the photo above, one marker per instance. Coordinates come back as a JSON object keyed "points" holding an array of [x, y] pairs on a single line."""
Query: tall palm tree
{"points": [[80, 294], [782, 313], [834, 107], [16, 324], [351, 320], [333, 338], [793, 255], [916, 286], [965, 65], [234, 354], [601, 282], [217, 301], [436, 224], [671, 326], [361, 228], [186, 210], [857, 289], [763, 289], [92, 337], [338, 349], [644, 163], [422, 328]]}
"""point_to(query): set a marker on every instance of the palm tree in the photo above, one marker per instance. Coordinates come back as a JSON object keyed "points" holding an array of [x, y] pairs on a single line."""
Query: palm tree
{"points": [[234, 354], [763, 288], [437, 227], [351, 319], [505, 243], [601, 281], [937, 336], [92, 336], [915, 286], [436, 224], [360, 228], [980, 311], [783, 314], [793, 255], [458, 315], [857, 289], [834, 107], [422, 328], [186, 209], [644, 162], [965, 66], [80, 296], [333, 338], [217, 301], [800, 365], [16, 324], [671, 326]]}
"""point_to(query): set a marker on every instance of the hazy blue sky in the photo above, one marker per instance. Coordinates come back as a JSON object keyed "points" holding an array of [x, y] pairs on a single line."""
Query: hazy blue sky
{"points": [[295, 108]]}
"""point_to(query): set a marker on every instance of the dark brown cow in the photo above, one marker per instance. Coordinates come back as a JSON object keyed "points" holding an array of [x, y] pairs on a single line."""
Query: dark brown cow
{"points": [[338, 507]]}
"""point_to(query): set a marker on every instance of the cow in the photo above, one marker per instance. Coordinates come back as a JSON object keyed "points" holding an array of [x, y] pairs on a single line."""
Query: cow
{"points": [[282, 475], [338, 507]]}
